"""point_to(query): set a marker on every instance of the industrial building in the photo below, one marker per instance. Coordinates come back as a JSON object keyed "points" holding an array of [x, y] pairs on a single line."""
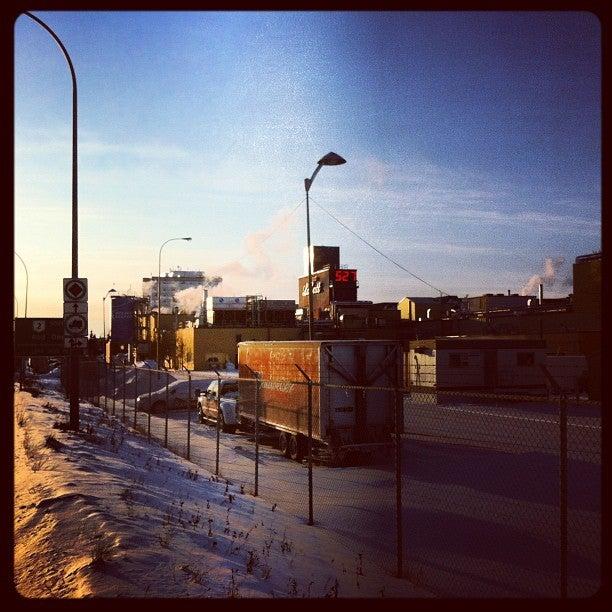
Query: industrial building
{"points": [[421, 308], [569, 326], [171, 283], [199, 348], [248, 311], [499, 301], [330, 283], [477, 363]]}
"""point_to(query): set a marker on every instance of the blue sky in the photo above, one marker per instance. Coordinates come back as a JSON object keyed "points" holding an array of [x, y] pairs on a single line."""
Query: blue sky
{"points": [[472, 143]]}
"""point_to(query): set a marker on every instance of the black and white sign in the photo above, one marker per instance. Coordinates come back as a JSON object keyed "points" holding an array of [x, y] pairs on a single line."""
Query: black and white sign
{"points": [[74, 343], [75, 290], [71, 308], [75, 325]]}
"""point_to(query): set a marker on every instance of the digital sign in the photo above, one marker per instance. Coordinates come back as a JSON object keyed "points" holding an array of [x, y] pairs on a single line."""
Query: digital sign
{"points": [[345, 276]]}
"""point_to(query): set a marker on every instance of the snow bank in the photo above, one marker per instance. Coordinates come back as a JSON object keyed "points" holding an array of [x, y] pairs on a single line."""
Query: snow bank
{"points": [[103, 513]]}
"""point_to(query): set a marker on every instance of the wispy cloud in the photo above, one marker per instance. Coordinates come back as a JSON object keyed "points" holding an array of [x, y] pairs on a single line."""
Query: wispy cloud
{"points": [[421, 189], [52, 143]]}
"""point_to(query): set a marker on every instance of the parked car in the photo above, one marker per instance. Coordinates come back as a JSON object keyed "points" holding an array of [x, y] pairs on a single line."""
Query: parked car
{"points": [[178, 397], [208, 404]]}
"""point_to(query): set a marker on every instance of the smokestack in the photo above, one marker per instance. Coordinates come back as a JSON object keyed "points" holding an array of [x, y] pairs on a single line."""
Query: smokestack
{"points": [[541, 294], [508, 291]]}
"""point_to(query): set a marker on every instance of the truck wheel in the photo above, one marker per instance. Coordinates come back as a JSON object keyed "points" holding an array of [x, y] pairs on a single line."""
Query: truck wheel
{"points": [[296, 451], [283, 443]]}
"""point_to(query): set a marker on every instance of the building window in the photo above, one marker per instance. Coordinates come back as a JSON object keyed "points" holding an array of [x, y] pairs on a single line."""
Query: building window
{"points": [[457, 360], [525, 359]]}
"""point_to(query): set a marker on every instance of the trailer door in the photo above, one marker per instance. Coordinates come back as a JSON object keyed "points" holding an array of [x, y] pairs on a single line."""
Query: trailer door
{"points": [[361, 414]]}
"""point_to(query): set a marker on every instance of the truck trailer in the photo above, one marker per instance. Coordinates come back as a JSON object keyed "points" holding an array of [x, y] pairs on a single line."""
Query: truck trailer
{"points": [[344, 420]]}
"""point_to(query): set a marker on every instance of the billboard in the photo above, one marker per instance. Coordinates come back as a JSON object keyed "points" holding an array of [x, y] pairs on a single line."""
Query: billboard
{"points": [[123, 318], [39, 337]]}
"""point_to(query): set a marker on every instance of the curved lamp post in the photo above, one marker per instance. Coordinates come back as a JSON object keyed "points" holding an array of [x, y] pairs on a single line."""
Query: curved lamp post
{"points": [[104, 313], [74, 353], [26, 291], [158, 334], [331, 159]]}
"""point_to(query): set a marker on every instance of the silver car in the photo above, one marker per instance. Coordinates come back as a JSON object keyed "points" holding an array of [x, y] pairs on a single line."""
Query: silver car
{"points": [[177, 395]]}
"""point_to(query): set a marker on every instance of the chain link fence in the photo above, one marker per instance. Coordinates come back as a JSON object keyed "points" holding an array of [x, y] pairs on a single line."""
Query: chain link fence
{"points": [[465, 494]]}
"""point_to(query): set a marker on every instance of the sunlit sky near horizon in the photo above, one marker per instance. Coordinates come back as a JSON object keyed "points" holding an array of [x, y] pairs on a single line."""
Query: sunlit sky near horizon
{"points": [[472, 143]]}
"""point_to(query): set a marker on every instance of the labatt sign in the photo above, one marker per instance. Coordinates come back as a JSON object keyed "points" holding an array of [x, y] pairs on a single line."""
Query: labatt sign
{"points": [[317, 287]]}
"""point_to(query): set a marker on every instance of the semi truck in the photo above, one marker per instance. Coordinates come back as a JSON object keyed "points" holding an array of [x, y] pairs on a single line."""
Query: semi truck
{"points": [[344, 420]]}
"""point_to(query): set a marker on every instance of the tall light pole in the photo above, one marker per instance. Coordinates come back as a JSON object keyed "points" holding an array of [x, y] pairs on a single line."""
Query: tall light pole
{"points": [[26, 291], [17, 306], [158, 335], [104, 313], [331, 159], [74, 353]]}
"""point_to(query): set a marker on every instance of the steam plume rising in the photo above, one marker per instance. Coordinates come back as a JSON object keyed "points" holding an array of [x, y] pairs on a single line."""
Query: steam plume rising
{"points": [[190, 300], [548, 277]]}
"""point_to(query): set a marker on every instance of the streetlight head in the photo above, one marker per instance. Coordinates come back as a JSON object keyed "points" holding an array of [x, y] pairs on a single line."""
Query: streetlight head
{"points": [[186, 238], [112, 291], [331, 159]]}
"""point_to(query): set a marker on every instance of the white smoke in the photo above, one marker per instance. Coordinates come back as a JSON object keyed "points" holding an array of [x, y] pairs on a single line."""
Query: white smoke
{"points": [[548, 277], [190, 300]]}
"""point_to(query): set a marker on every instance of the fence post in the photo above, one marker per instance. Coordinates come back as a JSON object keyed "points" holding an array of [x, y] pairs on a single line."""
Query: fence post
{"points": [[135, 393], [114, 385], [124, 393], [167, 400], [149, 410], [399, 398], [105, 385], [218, 421], [310, 493], [257, 387], [189, 416], [98, 380], [563, 494]]}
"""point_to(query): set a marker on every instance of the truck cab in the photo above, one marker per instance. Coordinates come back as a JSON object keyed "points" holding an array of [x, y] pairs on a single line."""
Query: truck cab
{"points": [[227, 410]]}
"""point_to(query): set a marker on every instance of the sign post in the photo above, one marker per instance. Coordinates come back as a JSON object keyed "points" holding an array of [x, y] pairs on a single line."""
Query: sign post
{"points": [[75, 337]]}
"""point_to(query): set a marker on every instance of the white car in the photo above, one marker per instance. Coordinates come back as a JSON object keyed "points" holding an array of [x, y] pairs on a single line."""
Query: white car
{"points": [[208, 404], [178, 397]]}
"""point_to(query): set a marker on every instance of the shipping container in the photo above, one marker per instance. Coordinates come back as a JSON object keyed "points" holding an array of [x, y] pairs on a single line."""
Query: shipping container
{"points": [[343, 419]]}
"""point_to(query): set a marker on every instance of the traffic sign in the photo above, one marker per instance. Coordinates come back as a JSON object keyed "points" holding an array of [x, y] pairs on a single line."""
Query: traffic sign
{"points": [[38, 337], [75, 308], [75, 343], [75, 290], [75, 325], [38, 326]]}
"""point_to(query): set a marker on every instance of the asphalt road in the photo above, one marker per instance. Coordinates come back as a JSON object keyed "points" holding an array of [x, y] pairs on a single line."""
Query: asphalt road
{"points": [[480, 494]]}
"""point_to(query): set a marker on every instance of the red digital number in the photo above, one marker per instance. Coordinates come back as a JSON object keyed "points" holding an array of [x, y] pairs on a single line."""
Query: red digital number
{"points": [[342, 276]]}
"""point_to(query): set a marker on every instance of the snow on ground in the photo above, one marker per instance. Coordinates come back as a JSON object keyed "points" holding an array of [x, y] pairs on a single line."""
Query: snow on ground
{"points": [[103, 513]]}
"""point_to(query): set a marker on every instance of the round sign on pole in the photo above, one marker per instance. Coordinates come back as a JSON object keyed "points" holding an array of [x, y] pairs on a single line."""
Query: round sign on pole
{"points": [[75, 325]]}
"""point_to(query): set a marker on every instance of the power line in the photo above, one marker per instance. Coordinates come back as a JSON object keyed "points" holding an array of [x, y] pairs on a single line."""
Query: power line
{"points": [[377, 250], [288, 217]]}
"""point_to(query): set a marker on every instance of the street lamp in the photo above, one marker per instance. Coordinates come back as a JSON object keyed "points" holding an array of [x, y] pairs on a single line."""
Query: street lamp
{"points": [[331, 159], [74, 353], [26, 291], [104, 313], [159, 297]]}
